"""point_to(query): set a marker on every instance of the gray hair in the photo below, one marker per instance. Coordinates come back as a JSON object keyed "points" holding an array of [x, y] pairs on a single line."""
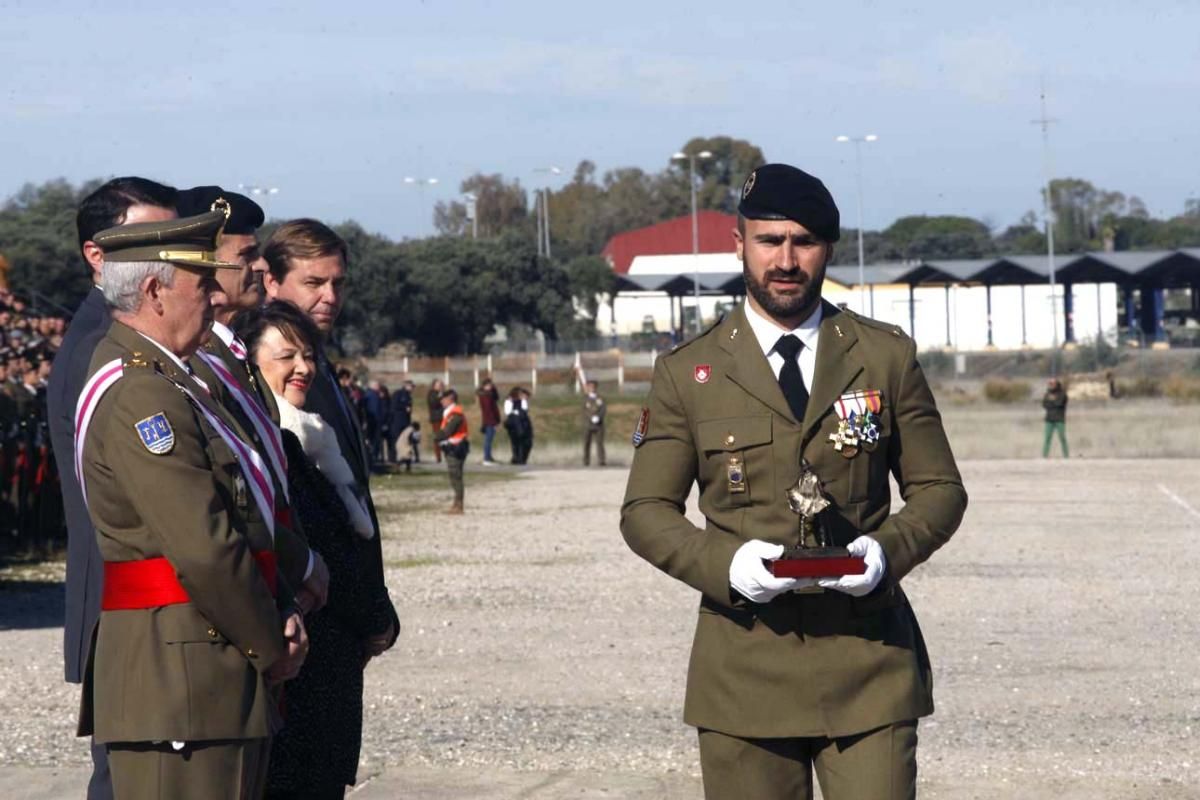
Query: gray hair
{"points": [[122, 281]]}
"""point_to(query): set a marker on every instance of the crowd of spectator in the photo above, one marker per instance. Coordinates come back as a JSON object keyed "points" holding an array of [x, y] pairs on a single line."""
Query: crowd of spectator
{"points": [[393, 432], [30, 501]]}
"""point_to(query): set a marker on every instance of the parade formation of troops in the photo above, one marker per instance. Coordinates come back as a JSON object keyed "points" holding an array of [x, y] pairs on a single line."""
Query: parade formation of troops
{"points": [[191, 580]]}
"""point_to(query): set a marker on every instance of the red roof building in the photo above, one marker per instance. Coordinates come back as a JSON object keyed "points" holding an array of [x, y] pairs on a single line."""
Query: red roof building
{"points": [[673, 237]]}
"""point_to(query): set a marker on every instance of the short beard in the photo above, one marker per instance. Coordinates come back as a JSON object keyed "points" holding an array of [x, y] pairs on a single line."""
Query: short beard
{"points": [[787, 307]]}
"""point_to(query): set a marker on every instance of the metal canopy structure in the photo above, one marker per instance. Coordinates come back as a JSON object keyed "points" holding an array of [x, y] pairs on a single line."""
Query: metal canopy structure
{"points": [[1143, 274]]}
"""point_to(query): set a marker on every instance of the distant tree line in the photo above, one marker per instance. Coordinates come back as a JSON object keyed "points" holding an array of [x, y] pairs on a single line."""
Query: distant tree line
{"points": [[447, 293]]}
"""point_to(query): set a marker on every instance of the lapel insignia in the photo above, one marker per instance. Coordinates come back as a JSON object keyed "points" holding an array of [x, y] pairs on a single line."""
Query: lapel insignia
{"points": [[643, 425], [155, 434], [703, 373]]}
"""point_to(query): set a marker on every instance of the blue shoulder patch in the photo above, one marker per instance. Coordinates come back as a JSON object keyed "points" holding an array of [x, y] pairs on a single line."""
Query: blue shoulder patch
{"points": [[156, 434]]}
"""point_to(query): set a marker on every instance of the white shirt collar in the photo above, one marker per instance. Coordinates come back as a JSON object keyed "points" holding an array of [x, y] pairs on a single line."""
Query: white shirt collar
{"points": [[767, 332], [170, 355], [222, 332]]}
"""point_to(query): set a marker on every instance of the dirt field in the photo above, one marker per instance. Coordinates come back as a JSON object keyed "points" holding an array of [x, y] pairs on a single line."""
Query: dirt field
{"points": [[540, 658]]}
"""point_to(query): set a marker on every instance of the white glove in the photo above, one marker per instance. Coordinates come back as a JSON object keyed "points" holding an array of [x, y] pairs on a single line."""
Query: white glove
{"points": [[860, 585], [752, 580]]}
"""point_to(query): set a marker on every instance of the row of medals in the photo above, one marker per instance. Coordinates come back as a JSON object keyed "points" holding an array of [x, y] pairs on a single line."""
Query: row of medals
{"points": [[855, 430]]}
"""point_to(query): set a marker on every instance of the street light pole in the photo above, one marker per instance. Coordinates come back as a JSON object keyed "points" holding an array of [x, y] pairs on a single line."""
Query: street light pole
{"points": [[420, 184], [862, 271], [1048, 206], [691, 159], [544, 211]]}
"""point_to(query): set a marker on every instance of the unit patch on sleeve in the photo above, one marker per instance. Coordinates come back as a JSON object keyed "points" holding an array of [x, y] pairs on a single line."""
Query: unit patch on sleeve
{"points": [[156, 434], [643, 425]]}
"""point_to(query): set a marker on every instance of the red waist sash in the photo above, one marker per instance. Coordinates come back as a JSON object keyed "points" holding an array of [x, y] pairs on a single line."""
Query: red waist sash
{"points": [[151, 582]]}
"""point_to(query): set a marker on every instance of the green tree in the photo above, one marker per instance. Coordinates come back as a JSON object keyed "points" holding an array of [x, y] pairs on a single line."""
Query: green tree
{"points": [[38, 236], [1023, 238], [499, 205], [942, 237]]}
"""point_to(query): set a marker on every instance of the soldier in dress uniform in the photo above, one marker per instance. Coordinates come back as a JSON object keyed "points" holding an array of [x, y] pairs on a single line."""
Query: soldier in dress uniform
{"points": [[792, 675], [197, 623], [236, 382]]}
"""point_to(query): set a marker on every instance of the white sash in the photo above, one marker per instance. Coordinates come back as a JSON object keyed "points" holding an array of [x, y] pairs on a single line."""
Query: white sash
{"points": [[251, 464], [268, 432], [89, 398]]}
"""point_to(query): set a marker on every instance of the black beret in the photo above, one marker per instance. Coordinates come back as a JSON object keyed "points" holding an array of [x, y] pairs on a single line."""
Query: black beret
{"points": [[780, 191], [246, 216]]}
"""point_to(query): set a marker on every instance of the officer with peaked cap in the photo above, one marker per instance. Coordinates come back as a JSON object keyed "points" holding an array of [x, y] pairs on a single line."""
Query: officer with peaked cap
{"points": [[223, 365], [197, 625], [794, 675]]}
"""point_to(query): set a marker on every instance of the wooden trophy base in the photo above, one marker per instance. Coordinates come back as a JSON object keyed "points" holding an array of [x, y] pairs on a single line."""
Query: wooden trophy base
{"points": [[817, 562]]}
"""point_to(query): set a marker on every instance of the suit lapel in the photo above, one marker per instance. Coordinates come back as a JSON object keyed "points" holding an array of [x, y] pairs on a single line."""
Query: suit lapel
{"points": [[749, 368], [837, 365], [337, 409]]}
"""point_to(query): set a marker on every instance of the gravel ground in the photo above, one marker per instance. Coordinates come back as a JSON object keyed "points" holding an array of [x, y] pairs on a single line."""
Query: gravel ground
{"points": [[535, 644]]}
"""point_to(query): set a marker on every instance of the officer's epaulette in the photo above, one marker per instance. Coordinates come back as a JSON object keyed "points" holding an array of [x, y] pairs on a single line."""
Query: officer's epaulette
{"points": [[699, 335], [870, 322], [135, 359]]}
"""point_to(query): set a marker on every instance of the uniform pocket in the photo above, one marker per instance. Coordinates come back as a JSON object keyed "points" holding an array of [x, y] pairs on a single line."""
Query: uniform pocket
{"points": [[735, 458]]}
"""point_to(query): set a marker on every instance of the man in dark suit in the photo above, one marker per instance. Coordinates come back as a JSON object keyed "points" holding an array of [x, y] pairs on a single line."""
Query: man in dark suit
{"points": [[306, 266], [120, 201]]}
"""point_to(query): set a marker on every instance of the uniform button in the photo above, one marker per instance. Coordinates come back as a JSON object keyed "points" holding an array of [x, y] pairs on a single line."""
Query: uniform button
{"points": [[250, 652], [212, 633], [730, 439]]}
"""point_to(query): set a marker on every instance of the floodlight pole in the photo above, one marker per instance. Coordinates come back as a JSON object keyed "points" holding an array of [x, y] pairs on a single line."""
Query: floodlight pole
{"points": [[1045, 123], [691, 159], [862, 270]]}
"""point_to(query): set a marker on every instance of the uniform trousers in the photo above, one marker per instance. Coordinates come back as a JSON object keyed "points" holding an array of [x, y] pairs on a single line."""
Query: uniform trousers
{"points": [[454, 466], [596, 434], [213, 770], [877, 765]]}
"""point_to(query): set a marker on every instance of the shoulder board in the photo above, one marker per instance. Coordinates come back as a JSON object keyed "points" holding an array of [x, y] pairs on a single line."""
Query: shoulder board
{"points": [[136, 360], [699, 335], [869, 322]]}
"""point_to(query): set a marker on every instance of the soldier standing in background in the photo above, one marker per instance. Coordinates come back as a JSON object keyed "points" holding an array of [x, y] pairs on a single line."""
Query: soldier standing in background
{"points": [[594, 411]]}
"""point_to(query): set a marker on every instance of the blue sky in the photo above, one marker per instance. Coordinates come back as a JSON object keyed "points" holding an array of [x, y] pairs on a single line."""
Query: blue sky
{"points": [[335, 103]]}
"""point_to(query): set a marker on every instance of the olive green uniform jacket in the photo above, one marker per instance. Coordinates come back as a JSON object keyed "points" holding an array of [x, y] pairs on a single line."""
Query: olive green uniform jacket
{"points": [[821, 664], [191, 671]]}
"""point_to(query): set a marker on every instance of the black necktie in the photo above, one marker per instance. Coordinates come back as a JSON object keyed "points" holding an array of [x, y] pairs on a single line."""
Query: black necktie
{"points": [[790, 379]]}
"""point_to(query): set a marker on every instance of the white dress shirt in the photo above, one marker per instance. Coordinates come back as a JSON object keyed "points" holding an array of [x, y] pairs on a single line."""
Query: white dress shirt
{"points": [[768, 332]]}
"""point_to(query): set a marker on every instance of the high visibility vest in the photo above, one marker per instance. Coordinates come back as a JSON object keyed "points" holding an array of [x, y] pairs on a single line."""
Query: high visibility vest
{"points": [[461, 433]]}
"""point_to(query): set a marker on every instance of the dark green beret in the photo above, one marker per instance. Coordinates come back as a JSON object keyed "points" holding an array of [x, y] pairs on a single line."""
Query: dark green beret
{"points": [[780, 191], [189, 241], [245, 215]]}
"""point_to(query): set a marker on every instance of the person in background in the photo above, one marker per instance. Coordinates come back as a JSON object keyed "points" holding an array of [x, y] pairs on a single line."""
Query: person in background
{"points": [[372, 407], [594, 412], [517, 425], [453, 439], [489, 412], [316, 754], [1055, 403], [387, 448], [434, 401], [399, 420]]}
